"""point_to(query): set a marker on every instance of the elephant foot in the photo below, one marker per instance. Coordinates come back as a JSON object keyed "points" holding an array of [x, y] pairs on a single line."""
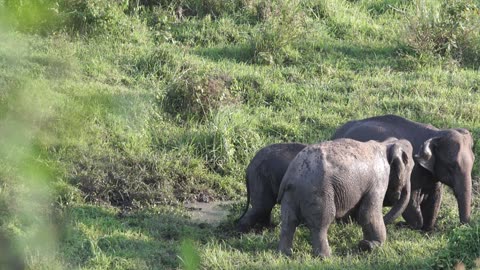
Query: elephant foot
{"points": [[285, 251], [366, 245], [428, 228], [321, 253], [404, 224], [243, 228]]}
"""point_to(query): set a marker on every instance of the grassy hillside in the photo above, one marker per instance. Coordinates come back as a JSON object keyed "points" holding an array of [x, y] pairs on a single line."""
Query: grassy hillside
{"points": [[115, 113]]}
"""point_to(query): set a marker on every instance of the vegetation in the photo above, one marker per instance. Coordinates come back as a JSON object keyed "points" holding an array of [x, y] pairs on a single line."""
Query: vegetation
{"points": [[115, 113]]}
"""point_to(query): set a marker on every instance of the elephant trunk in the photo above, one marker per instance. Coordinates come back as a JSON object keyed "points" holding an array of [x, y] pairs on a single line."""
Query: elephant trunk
{"points": [[400, 205], [463, 193]]}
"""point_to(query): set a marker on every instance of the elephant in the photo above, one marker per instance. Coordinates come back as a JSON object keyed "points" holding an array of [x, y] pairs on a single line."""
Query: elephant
{"points": [[263, 177], [334, 179], [442, 156]]}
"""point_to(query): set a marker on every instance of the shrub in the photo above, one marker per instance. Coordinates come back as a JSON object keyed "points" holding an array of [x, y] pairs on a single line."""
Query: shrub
{"points": [[281, 29], [197, 94], [449, 30]]}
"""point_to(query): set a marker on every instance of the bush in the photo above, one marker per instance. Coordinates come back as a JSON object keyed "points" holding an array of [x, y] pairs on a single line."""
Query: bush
{"points": [[282, 28], [449, 30], [197, 94]]}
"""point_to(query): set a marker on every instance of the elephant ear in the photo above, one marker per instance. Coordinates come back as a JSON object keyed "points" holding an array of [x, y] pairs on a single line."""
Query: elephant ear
{"points": [[425, 156]]}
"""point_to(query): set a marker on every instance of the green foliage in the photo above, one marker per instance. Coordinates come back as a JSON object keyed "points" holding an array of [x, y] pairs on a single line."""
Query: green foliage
{"points": [[450, 29]]}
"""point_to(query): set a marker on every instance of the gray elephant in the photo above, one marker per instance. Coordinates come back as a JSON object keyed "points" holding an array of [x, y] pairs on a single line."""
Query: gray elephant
{"points": [[344, 177], [264, 175], [443, 156]]}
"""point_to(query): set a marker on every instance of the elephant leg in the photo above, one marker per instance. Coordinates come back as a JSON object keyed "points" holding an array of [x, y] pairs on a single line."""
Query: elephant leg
{"points": [[412, 214], [430, 206], [255, 215], [318, 217], [262, 201], [290, 222], [371, 219]]}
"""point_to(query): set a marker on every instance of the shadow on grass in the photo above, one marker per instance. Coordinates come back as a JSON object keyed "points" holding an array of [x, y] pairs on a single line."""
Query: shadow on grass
{"points": [[358, 57], [241, 53], [338, 53]]}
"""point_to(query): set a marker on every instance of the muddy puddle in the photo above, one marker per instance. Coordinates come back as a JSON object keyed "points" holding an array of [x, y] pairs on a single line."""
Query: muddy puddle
{"points": [[211, 212]]}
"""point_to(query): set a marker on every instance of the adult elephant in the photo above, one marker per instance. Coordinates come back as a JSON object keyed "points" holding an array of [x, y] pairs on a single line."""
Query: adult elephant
{"points": [[443, 156], [264, 175], [332, 179]]}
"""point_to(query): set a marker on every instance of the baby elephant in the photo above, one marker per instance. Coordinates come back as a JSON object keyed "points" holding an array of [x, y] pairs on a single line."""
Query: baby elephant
{"points": [[333, 179], [264, 175]]}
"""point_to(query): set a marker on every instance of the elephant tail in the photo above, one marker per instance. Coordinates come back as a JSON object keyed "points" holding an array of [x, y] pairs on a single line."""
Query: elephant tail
{"points": [[281, 190], [248, 199]]}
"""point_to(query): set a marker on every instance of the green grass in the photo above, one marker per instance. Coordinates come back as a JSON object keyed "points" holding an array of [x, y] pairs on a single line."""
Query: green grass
{"points": [[112, 115]]}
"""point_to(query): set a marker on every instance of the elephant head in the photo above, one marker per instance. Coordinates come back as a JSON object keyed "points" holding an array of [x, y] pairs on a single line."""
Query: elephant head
{"points": [[399, 155], [449, 157]]}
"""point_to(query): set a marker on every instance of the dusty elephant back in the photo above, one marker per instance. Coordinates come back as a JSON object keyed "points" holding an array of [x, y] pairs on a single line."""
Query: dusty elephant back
{"points": [[334, 169]]}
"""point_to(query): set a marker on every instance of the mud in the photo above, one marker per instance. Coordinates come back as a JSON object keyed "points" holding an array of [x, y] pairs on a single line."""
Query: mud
{"points": [[208, 212]]}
